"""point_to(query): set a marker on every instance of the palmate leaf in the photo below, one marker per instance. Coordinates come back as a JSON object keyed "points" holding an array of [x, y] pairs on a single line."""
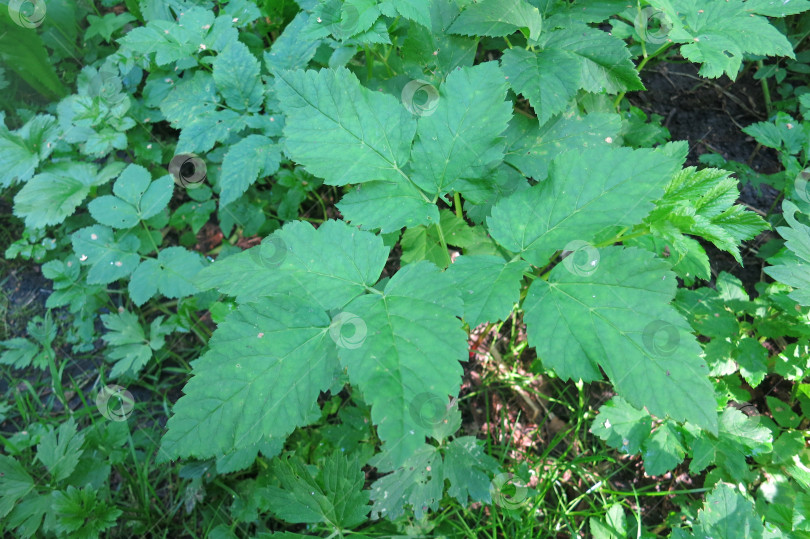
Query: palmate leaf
{"points": [[585, 193], [489, 286], [795, 273], [619, 318], [341, 131], [388, 206], [578, 57]]}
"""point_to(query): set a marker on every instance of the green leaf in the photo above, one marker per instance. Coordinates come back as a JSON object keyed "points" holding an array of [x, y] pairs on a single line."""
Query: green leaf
{"points": [[190, 100], [80, 509], [531, 148], [622, 426], [388, 206], [794, 273], [236, 74], [721, 33], [20, 353], [128, 346], [263, 372], [460, 138], [296, 254], [663, 450], [341, 131], [615, 526], [15, 484], [584, 194], [727, 513], [578, 57], [619, 318], [783, 413], [22, 51], [334, 495], [53, 195], [60, 450], [407, 341], [468, 469], [252, 156], [490, 286], [418, 483], [111, 256], [291, 50], [498, 18], [171, 274], [752, 358], [208, 129]]}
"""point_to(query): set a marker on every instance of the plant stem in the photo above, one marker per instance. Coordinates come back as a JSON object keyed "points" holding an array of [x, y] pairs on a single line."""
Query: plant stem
{"points": [[766, 91], [457, 205]]}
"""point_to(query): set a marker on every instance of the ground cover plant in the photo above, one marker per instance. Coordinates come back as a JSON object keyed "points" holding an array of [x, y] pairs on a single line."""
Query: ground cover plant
{"points": [[423, 268]]}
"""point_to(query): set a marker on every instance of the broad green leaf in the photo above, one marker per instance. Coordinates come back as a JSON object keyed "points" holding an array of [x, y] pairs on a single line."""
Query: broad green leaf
{"points": [[407, 341], [53, 195], [663, 450], [727, 513], [498, 18], [171, 274], [127, 345], [21, 353], [82, 509], [15, 483], [619, 318], [60, 450], [413, 10], [236, 74], [622, 426], [461, 138], [578, 57], [532, 148], [615, 526], [337, 262], [23, 51], [418, 483], [190, 99], [291, 50], [719, 34], [468, 468], [388, 206], [584, 194], [245, 161], [490, 286], [334, 496], [261, 376], [341, 131], [753, 360], [111, 256], [208, 129], [23, 150], [795, 273]]}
